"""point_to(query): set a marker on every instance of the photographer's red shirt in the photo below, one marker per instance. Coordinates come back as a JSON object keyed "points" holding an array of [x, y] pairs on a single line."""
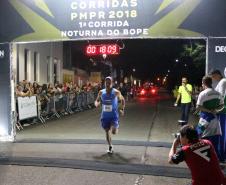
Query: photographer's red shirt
{"points": [[203, 163]]}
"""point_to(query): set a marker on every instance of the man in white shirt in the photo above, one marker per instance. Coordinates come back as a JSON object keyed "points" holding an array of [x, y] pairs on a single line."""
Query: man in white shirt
{"points": [[221, 88], [209, 100]]}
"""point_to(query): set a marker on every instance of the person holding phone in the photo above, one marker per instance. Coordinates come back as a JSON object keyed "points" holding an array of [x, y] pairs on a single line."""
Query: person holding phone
{"points": [[185, 94]]}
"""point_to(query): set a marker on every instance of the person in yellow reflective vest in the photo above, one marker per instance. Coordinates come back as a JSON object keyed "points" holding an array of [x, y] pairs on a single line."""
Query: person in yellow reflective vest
{"points": [[185, 94]]}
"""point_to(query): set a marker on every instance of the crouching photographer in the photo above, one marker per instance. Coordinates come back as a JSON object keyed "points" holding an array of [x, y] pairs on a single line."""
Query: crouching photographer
{"points": [[199, 156]]}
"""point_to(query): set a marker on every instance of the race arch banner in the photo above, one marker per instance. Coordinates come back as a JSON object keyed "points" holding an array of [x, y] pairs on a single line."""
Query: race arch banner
{"points": [[6, 127], [46, 20], [217, 55]]}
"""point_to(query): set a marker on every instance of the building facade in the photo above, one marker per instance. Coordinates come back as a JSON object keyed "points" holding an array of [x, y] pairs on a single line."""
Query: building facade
{"points": [[39, 62]]}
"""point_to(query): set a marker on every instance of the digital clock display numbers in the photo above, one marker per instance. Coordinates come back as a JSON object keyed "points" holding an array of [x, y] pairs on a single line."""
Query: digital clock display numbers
{"points": [[104, 49]]}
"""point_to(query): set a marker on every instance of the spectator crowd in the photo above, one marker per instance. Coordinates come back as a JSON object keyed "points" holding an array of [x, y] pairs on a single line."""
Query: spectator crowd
{"points": [[58, 99]]}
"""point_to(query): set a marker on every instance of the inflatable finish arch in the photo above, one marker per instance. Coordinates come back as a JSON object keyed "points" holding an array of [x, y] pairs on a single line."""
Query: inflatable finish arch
{"points": [[51, 20]]}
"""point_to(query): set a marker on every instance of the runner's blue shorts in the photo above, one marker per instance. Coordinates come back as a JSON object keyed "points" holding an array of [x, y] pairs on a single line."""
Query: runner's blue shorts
{"points": [[106, 123]]}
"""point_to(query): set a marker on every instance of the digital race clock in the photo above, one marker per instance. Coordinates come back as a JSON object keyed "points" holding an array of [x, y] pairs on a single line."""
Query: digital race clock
{"points": [[103, 49]]}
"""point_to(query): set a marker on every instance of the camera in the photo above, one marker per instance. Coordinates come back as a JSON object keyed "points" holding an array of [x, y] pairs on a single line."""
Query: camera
{"points": [[176, 135]]}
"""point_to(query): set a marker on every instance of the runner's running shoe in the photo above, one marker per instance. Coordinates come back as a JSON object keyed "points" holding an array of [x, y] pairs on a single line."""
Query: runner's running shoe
{"points": [[110, 150]]}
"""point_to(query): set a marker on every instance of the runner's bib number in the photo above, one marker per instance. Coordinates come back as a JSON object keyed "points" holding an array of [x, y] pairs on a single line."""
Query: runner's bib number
{"points": [[107, 108]]}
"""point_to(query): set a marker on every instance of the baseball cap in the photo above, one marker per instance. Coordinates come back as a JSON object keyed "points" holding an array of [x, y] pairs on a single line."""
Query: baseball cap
{"points": [[109, 78]]}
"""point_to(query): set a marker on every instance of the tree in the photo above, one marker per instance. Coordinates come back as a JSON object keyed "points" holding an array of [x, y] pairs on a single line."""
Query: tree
{"points": [[194, 55], [195, 51]]}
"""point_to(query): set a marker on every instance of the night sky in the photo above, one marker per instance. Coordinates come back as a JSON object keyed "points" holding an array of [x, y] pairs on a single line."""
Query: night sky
{"points": [[151, 58]]}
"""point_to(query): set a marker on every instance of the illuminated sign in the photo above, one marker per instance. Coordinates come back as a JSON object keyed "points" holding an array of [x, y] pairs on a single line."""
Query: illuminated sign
{"points": [[103, 49]]}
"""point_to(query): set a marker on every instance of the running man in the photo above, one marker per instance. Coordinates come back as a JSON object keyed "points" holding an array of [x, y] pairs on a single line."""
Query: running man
{"points": [[110, 115]]}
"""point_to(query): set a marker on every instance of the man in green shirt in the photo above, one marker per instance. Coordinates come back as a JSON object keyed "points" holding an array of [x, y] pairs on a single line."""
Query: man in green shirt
{"points": [[185, 94]]}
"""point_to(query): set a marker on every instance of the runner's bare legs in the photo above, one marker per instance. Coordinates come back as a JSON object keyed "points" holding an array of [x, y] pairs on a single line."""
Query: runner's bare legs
{"points": [[108, 136], [108, 132]]}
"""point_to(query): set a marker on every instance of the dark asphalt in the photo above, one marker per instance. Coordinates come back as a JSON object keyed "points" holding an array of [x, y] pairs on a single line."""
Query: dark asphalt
{"points": [[76, 143]]}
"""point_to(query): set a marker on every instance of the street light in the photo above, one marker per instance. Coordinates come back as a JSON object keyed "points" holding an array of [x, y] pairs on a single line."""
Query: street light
{"points": [[177, 60], [164, 80], [134, 69]]}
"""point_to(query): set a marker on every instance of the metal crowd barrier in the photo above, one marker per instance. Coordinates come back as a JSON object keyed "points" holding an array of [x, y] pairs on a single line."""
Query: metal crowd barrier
{"points": [[27, 110], [60, 105]]}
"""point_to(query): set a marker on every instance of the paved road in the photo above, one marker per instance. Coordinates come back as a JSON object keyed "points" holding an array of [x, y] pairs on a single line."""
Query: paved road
{"points": [[71, 150], [151, 119]]}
